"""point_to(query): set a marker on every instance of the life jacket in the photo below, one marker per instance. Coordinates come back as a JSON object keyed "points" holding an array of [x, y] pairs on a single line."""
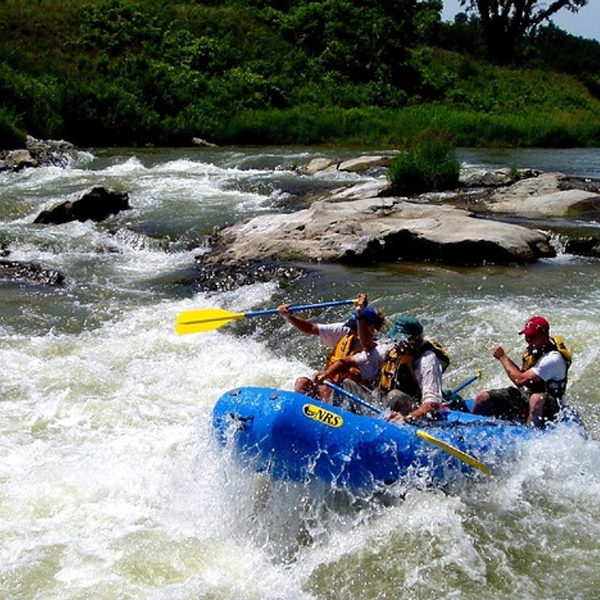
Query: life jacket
{"points": [[397, 371], [347, 346], [531, 357]]}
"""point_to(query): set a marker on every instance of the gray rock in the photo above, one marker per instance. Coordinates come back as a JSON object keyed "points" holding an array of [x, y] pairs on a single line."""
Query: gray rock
{"points": [[544, 196], [15, 160], [363, 163], [503, 176], [202, 142], [352, 165], [319, 164], [372, 230], [369, 189], [37, 153]]}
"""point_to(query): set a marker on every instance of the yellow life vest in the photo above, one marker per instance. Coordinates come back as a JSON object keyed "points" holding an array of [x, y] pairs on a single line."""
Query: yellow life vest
{"points": [[397, 371], [531, 358], [347, 346]]}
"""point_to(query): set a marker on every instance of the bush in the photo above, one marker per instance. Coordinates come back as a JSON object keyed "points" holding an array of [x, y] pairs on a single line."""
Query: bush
{"points": [[430, 164], [11, 135]]}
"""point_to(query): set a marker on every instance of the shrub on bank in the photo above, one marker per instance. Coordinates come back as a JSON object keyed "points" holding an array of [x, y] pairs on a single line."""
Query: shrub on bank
{"points": [[11, 136], [430, 164]]}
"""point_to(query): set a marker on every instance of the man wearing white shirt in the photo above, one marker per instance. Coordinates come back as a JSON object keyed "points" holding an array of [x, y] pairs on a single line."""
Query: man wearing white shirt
{"points": [[539, 384], [353, 356]]}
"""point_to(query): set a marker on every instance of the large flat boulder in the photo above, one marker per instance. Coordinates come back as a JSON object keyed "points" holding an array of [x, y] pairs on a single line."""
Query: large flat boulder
{"points": [[371, 230]]}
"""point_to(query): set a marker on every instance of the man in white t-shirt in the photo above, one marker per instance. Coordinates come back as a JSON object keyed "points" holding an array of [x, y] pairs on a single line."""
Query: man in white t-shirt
{"points": [[353, 355], [540, 381]]}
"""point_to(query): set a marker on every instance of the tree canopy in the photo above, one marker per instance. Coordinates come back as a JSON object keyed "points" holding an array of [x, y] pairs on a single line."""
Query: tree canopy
{"points": [[122, 72], [505, 23]]}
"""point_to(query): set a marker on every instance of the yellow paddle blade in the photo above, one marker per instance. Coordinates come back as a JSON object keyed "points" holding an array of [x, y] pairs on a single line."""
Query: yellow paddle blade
{"points": [[203, 319], [466, 458]]}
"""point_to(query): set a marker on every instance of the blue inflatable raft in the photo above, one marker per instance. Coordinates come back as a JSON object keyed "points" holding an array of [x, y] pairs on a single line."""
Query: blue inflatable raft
{"points": [[297, 438]]}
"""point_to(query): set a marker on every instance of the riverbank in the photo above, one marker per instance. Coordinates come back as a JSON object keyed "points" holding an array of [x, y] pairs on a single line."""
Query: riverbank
{"points": [[245, 73]]}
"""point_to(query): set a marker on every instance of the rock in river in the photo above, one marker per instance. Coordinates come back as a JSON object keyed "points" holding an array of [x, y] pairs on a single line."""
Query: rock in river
{"points": [[371, 230]]}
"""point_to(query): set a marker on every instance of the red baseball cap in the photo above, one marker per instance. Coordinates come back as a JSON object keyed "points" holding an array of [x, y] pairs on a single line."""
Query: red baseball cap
{"points": [[534, 325]]}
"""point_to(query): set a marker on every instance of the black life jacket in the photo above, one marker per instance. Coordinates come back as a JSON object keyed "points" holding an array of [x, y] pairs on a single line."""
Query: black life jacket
{"points": [[531, 357], [397, 371]]}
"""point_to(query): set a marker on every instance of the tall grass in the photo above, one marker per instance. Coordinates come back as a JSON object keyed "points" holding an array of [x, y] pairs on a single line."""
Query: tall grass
{"points": [[429, 164], [403, 127]]}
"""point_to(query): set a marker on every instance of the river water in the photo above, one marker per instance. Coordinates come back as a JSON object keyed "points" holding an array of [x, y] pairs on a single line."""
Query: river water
{"points": [[110, 484]]}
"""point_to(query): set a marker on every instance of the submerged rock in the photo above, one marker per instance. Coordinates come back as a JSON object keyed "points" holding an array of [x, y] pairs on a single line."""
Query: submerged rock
{"points": [[30, 272], [222, 277], [589, 246]]}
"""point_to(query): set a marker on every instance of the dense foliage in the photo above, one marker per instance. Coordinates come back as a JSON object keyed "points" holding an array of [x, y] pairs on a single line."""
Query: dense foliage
{"points": [[430, 164], [110, 72], [506, 24]]}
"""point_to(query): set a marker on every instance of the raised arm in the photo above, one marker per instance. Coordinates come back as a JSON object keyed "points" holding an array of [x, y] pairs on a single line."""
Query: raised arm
{"points": [[306, 327], [365, 332], [518, 377]]}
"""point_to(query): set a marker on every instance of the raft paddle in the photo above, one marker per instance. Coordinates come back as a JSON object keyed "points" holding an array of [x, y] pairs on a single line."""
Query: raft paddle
{"points": [[463, 456], [354, 397], [467, 382], [379, 411], [205, 319]]}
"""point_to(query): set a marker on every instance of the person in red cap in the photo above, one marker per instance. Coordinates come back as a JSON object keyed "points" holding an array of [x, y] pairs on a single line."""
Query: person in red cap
{"points": [[539, 383]]}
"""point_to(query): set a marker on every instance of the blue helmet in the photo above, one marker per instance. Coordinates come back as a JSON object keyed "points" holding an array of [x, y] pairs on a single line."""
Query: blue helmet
{"points": [[368, 314]]}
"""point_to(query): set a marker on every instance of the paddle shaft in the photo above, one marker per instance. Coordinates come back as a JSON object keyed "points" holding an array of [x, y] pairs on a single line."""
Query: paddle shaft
{"points": [[465, 383], [354, 397], [205, 319], [273, 311], [378, 411]]}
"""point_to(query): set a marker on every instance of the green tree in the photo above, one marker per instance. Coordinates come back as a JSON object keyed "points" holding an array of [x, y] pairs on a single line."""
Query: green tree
{"points": [[505, 23], [362, 40]]}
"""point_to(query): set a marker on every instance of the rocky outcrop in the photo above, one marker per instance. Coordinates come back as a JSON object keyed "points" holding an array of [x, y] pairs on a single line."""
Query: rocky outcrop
{"points": [[37, 153], [359, 225], [96, 205], [372, 230], [544, 196]]}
